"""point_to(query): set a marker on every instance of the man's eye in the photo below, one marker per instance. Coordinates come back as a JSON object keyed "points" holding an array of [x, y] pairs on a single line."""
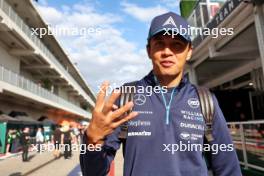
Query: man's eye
{"points": [[178, 44], [159, 44]]}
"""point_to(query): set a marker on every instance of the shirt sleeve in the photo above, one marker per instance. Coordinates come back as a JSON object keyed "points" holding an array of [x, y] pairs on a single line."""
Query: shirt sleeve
{"points": [[97, 163], [224, 161]]}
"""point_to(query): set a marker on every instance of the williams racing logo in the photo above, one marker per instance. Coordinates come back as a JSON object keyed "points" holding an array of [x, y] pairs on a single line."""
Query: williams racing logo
{"points": [[193, 103]]}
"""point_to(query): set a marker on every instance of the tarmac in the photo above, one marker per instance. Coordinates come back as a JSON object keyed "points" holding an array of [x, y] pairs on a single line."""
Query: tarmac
{"points": [[44, 164], [40, 164]]}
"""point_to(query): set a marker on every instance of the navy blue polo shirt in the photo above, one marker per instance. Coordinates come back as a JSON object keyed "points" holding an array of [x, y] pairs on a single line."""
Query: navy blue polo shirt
{"points": [[156, 148]]}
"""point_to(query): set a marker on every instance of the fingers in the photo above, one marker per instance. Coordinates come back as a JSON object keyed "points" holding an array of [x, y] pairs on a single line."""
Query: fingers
{"points": [[115, 107], [101, 96], [122, 110], [125, 119], [109, 104]]}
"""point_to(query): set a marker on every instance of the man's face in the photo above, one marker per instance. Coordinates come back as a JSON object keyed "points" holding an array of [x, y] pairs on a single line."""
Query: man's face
{"points": [[168, 54], [26, 130]]}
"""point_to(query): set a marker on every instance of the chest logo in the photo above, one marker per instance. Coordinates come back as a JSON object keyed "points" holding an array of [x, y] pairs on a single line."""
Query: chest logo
{"points": [[193, 103], [139, 99], [185, 135]]}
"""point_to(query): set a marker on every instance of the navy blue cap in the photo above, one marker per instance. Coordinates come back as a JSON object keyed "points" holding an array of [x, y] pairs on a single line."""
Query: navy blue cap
{"points": [[168, 22]]}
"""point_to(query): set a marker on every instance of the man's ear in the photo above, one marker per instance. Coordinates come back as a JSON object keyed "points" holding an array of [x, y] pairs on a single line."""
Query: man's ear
{"points": [[189, 54], [148, 50]]}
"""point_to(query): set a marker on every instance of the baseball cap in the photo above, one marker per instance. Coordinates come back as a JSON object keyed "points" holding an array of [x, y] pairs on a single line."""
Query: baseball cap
{"points": [[168, 22]]}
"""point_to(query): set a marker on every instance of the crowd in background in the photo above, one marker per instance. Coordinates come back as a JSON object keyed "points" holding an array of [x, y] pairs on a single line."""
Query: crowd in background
{"points": [[22, 140]]}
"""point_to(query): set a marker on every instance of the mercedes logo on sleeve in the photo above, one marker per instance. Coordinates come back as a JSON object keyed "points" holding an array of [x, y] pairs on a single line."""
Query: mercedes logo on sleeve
{"points": [[139, 99]]}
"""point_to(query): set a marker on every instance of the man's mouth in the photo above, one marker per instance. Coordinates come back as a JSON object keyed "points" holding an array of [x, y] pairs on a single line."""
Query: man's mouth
{"points": [[166, 64]]}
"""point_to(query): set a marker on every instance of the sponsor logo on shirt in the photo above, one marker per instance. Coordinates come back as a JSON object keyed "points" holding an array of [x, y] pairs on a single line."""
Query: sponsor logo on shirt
{"points": [[190, 136], [195, 116], [139, 99], [139, 123], [185, 136], [139, 133], [193, 103], [187, 117], [196, 136], [192, 126], [144, 112]]}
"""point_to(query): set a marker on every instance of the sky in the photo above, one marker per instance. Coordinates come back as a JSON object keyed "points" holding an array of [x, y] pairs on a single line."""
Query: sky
{"points": [[113, 48]]}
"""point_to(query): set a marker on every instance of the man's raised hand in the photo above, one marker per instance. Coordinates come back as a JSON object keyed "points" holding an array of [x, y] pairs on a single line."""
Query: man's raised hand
{"points": [[106, 116]]}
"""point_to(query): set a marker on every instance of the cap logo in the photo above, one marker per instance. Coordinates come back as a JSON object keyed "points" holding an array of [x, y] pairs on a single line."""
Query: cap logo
{"points": [[169, 21]]}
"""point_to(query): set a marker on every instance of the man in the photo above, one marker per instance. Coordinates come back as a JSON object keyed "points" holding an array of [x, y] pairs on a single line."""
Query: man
{"points": [[24, 140], [67, 137], [162, 121], [57, 140], [39, 139]]}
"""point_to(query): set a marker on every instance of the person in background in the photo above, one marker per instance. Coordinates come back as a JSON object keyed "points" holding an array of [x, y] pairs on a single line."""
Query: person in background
{"points": [[9, 141], [39, 138], [16, 141], [239, 112], [57, 140], [24, 140], [76, 133], [12, 141], [83, 128], [67, 136]]}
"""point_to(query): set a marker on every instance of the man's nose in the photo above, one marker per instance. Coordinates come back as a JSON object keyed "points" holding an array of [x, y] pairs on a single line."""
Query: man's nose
{"points": [[167, 52]]}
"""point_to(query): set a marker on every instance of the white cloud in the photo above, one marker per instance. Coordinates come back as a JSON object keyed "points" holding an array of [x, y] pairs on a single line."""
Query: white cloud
{"points": [[171, 3], [144, 14], [43, 2], [51, 15], [108, 56]]}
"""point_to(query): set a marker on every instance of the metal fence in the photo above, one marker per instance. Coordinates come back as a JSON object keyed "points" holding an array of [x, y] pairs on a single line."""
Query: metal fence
{"points": [[248, 138], [19, 81]]}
